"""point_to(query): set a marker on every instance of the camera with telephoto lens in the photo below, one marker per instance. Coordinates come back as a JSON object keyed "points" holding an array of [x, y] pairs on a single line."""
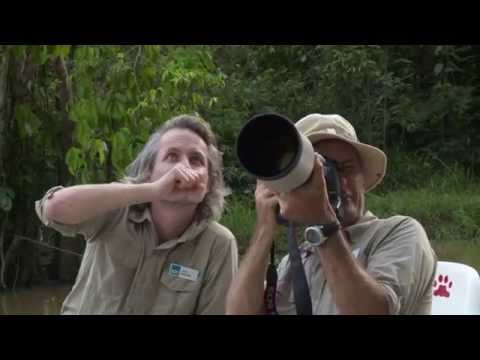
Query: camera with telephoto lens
{"points": [[270, 147]]}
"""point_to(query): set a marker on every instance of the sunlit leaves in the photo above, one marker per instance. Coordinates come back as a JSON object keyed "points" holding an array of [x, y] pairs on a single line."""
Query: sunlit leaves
{"points": [[124, 93]]}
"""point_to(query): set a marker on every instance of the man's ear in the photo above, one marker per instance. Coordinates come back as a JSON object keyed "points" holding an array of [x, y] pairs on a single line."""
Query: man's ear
{"points": [[364, 185]]}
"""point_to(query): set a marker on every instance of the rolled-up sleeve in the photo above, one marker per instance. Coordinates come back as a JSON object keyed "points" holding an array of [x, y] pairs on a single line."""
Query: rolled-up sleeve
{"points": [[404, 263], [88, 228]]}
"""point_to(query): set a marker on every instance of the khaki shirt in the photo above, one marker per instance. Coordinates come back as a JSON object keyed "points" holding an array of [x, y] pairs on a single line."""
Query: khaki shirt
{"points": [[125, 271], [394, 251]]}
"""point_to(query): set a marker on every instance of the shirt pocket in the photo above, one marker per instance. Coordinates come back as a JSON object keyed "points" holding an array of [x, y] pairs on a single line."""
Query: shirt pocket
{"points": [[176, 295], [177, 284]]}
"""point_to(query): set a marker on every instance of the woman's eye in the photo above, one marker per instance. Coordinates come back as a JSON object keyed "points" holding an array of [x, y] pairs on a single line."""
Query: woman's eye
{"points": [[196, 161], [171, 156]]}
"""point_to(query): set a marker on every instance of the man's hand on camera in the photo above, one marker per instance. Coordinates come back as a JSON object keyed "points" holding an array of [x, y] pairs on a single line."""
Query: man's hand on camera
{"points": [[266, 202], [309, 204]]}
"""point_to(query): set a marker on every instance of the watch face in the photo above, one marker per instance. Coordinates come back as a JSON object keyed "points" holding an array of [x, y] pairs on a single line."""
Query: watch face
{"points": [[314, 235]]}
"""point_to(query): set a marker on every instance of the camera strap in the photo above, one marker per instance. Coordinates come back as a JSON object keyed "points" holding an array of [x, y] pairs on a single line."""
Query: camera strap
{"points": [[301, 292], [271, 289]]}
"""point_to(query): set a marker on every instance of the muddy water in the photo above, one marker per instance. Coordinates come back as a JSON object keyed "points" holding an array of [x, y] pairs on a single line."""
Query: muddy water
{"points": [[39, 300]]}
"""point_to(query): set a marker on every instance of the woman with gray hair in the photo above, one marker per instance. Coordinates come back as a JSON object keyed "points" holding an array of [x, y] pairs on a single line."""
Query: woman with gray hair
{"points": [[154, 245]]}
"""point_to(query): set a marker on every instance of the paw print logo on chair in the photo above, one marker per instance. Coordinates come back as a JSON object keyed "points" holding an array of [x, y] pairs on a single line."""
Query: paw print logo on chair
{"points": [[441, 286], [455, 290]]}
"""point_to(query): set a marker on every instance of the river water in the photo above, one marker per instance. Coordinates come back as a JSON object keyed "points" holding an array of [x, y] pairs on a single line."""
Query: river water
{"points": [[38, 300]]}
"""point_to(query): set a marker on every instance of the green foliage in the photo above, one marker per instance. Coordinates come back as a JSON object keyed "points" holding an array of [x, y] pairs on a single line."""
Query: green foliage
{"points": [[418, 100], [28, 123], [239, 217], [448, 207], [31, 146], [7, 195], [124, 93]]}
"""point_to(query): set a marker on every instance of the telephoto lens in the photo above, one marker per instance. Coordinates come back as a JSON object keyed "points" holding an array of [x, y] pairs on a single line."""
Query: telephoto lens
{"points": [[271, 148]]}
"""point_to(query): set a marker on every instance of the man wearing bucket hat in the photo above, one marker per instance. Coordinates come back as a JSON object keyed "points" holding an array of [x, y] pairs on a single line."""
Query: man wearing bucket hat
{"points": [[363, 264]]}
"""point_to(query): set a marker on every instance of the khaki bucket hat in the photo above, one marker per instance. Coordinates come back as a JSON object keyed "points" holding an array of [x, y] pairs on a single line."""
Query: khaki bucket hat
{"points": [[317, 127]]}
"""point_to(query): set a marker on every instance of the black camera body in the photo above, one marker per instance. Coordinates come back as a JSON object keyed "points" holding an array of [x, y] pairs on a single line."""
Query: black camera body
{"points": [[333, 186]]}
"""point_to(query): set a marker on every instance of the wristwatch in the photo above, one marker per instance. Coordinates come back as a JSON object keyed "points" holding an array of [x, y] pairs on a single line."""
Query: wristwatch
{"points": [[318, 235]]}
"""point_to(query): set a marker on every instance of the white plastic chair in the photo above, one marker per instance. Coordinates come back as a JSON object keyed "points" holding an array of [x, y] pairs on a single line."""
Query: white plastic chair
{"points": [[456, 290]]}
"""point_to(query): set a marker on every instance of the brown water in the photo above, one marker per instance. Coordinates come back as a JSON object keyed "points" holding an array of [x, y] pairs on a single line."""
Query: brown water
{"points": [[39, 300]]}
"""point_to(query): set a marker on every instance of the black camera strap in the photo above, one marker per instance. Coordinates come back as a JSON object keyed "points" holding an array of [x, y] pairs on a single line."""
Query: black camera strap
{"points": [[301, 292], [271, 288]]}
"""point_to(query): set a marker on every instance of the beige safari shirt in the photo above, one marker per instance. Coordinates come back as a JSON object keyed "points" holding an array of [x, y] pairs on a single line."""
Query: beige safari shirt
{"points": [[394, 251], [125, 271]]}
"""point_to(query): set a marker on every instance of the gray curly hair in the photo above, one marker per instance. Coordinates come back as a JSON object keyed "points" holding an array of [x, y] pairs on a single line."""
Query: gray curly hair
{"points": [[140, 169]]}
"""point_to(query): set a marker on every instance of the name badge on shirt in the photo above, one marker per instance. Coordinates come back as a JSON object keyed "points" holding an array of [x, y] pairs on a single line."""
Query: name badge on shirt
{"points": [[183, 272]]}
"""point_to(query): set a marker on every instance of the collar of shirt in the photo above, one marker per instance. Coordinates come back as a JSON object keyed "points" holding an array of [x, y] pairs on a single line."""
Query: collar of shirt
{"points": [[357, 230], [139, 214]]}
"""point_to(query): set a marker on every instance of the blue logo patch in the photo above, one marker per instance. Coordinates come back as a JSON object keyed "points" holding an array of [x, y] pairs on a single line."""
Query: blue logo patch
{"points": [[175, 270]]}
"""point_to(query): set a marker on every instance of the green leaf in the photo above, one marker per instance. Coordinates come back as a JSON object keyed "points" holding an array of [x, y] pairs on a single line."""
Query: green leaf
{"points": [[81, 132], [6, 196], [19, 50], [101, 105], [74, 160], [438, 69], [5, 203], [120, 108], [100, 149], [150, 71], [212, 101], [6, 191], [42, 55], [121, 148], [28, 123], [92, 112], [61, 50]]}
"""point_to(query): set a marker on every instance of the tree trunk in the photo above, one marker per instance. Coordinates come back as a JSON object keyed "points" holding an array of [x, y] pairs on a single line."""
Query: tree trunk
{"points": [[3, 126], [386, 113], [64, 99], [4, 58], [425, 61]]}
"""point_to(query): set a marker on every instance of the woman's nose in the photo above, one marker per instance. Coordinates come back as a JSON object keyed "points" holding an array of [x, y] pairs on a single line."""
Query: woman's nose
{"points": [[184, 161]]}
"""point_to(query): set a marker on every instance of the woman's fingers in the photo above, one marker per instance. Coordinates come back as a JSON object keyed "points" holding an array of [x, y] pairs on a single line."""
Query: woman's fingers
{"points": [[183, 174]]}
